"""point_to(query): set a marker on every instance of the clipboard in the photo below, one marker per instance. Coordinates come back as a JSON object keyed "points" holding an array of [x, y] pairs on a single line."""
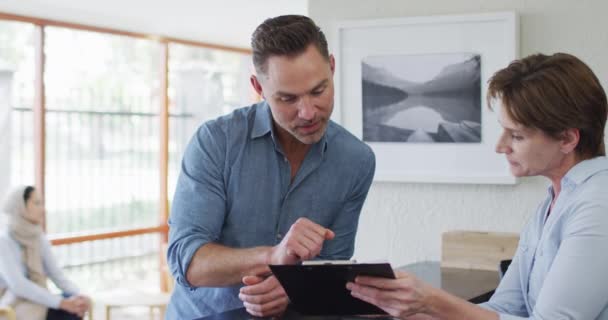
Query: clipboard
{"points": [[320, 289]]}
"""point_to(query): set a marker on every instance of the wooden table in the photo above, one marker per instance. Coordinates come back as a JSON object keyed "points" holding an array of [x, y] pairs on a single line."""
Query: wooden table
{"points": [[469, 284]]}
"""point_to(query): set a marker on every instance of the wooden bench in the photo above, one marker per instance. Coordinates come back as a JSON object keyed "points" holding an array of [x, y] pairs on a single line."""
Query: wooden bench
{"points": [[476, 249], [7, 313]]}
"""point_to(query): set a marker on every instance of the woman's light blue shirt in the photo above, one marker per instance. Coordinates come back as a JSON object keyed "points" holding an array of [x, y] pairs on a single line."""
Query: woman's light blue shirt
{"points": [[560, 269], [13, 274]]}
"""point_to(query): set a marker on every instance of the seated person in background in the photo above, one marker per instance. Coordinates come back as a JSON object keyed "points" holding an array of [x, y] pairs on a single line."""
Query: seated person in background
{"points": [[274, 183], [27, 260], [553, 114]]}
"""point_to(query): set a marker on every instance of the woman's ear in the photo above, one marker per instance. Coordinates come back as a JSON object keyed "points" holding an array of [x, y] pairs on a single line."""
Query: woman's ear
{"points": [[570, 139]]}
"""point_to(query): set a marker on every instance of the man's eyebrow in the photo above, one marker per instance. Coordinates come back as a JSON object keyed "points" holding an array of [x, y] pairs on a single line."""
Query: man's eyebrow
{"points": [[319, 85], [281, 93]]}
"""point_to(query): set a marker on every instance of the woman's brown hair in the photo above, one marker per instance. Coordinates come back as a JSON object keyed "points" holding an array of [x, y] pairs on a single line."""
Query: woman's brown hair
{"points": [[554, 93]]}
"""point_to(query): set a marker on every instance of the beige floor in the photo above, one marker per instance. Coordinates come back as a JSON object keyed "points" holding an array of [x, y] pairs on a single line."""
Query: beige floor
{"points": [[131, 313], [129, 304]]}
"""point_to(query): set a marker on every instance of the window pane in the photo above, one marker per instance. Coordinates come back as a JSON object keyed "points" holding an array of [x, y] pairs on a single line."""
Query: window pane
{"points": [[130, 262], [203, 84], [16, 103], [102, 131]]}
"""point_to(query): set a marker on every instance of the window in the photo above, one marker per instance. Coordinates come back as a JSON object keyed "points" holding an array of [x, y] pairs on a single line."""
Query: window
{"points": [[204, 84], [104, 135], [102, 131], [16, 103]]}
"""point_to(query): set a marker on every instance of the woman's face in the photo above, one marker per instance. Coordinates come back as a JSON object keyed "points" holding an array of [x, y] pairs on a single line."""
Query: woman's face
{"points": [[34, 208], [530, 152]]}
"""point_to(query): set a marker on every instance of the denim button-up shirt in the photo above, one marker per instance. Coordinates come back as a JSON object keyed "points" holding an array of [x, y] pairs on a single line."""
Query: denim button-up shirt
{"points": [[560, 269], [235, 189]]}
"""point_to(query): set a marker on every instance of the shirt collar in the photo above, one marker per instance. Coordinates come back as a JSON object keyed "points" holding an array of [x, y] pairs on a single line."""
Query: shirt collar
{"points": [[262, 123], [585, 169]]}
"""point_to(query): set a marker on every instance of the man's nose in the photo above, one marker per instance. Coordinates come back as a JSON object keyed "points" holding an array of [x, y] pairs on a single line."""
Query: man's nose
{"points": [[306, 109]]}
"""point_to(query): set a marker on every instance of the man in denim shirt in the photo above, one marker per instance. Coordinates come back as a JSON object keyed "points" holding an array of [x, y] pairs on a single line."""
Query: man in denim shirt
{"points": [[273, 183]]}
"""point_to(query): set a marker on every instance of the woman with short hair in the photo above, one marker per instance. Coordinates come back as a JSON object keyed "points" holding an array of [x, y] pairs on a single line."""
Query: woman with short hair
{"points": [[553, 112]]}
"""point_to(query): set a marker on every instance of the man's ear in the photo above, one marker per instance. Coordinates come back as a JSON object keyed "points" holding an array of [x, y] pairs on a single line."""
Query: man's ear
{"points": [[570, 139], [332, 63], [256, 85]]}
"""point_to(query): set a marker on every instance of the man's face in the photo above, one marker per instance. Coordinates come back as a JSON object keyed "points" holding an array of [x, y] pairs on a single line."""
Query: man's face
{"points": [[530, 151], [300, 93]]}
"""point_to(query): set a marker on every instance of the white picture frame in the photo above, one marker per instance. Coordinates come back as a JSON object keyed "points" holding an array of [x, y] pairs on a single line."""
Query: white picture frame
{"points": [[493, 36]]}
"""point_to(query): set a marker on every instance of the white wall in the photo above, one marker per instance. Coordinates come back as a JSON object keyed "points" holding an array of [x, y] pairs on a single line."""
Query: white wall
{"points": [[228, 22], [403, 222]]}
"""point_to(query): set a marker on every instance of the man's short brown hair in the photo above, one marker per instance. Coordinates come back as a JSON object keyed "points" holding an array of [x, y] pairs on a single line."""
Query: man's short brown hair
{"points": [[554, 93], [287, 35]]}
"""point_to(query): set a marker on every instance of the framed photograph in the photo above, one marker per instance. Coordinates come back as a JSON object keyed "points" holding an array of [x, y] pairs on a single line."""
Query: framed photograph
{"points": [[414, 89]]}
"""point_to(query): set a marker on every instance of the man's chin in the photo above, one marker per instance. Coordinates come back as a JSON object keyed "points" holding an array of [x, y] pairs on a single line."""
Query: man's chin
{"points": [[308, 140], [311, 138]]}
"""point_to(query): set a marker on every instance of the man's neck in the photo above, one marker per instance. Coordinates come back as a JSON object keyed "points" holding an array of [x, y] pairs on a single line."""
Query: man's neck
{"points": [[295, 151], [290, 145]]}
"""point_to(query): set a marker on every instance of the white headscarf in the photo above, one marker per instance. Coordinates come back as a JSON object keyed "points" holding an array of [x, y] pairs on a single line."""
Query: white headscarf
{"points": [[26, 233]]}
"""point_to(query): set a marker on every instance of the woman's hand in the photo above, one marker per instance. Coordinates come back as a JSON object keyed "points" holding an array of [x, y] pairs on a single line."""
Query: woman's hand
{"points": [[85, 304], [402, 297], [77, 305], [72, 305]]}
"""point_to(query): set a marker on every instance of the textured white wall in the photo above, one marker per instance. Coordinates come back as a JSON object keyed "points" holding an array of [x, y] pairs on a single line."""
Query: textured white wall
{"points": [[403, 222]]}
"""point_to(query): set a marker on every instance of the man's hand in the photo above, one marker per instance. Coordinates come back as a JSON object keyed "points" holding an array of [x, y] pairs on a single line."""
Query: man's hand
{"points": [[263, 297], [304, 241]]}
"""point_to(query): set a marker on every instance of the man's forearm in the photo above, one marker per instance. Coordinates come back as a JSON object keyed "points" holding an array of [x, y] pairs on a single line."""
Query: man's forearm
{"points": [[215, 265]]}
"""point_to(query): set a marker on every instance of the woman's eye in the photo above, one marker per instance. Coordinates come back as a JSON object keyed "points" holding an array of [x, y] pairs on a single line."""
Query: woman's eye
{"points": [[517, 138]]}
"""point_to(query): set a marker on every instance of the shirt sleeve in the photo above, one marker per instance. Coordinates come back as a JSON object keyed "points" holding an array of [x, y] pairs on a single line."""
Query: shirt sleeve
{"points": [[575, 285], [508, 298], [55, 272], [345, 224], [199, 204], [18, 284]]}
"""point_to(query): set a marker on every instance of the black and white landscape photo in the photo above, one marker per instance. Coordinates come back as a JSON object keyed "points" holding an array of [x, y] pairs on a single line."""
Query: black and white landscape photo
{"points": [[422, 98]]}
